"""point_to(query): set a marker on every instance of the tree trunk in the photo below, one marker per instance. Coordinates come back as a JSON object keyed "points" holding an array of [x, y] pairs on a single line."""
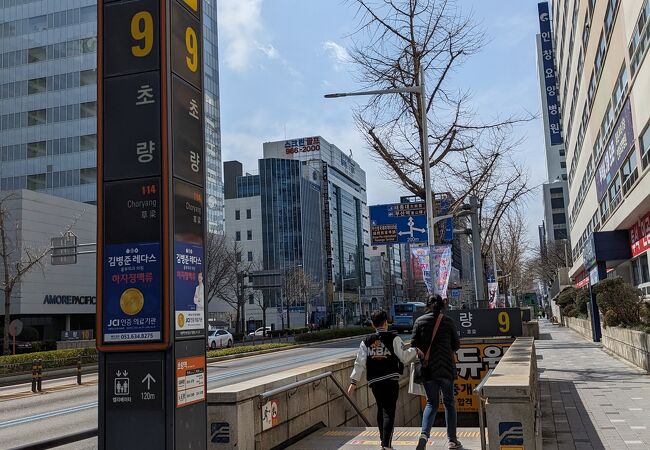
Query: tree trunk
{"points": [[238, 319], [5, 343], [288, 316]]}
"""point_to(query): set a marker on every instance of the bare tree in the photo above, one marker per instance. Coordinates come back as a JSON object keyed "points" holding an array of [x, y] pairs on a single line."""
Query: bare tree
{"points": [[227, 275], [394, 41], [546, 261], [511, 247], [17, 259]]}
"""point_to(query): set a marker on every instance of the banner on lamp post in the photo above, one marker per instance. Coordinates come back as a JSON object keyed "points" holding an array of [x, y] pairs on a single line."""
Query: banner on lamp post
{"points": [[441, 267]]}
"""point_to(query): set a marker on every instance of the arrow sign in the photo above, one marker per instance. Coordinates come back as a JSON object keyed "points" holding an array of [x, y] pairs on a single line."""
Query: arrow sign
{"points": [[148, 379]]}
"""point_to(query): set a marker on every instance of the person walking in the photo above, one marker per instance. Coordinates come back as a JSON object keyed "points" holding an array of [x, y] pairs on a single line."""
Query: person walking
{"points": [[435, 336], [382, 355]]}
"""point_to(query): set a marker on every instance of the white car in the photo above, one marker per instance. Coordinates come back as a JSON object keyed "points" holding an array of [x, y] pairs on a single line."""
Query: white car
{"points": [[259, 332], [220, 339]]}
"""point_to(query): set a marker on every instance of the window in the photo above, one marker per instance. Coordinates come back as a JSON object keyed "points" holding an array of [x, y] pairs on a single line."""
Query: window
{"points": [[237, 214], [87, 77], [36, 85], [559, 218], [557, 191], [251, 299], [88, 45], [35, 182], [36, 54], [88, 176], [609, 16], [238, 235], [640, 273], [38, 23], [620, 88], [36, 117], [563, 164], [250, 256], [600, 54], [238, 256], [88, 142], [560, 234], [88, 13], [248, 213], [644, 140], [562, 152], [36, 149], [557, 203], [88, 109], [249, 235], [629, 172]]}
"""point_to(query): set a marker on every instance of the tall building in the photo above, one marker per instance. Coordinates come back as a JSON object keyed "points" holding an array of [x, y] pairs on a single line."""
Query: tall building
{"points": [[604, 85], [313, 214], [48, 92], [555, 190]]}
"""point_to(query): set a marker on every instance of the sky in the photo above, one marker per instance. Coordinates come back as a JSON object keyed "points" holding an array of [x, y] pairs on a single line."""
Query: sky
{"points": [[277, 58]]}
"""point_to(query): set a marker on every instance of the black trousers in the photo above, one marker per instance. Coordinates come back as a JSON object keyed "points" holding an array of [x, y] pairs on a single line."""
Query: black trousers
{"points": [[386, 393]]}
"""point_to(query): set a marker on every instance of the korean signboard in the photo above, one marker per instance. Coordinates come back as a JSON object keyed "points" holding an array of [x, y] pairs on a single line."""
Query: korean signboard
{"points": [[190, 380], [473, 361], [618, 148], [302, 145], [504, 322], [640, 236], [550, 84], [398, 223]]}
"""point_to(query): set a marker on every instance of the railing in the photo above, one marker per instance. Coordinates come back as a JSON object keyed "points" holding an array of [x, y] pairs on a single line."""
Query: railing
{"points": [[268, 394], [481, 421], [59, 441]]}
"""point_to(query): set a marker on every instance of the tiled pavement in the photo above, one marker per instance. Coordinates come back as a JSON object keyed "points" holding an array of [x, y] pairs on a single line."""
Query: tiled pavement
{"points": [[590, 399]]}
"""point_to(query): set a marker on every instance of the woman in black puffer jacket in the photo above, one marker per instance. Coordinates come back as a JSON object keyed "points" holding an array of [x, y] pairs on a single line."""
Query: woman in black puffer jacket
{"points": [[440, 372]]}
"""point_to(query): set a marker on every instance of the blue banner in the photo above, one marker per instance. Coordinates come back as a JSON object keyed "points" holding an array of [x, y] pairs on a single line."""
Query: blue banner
{"points": [[189, 291], [550, 84], [398, 223], [132, 297], [447, 227]]}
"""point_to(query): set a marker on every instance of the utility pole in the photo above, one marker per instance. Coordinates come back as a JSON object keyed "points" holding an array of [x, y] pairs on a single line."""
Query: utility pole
{"points": [[479, 286]]}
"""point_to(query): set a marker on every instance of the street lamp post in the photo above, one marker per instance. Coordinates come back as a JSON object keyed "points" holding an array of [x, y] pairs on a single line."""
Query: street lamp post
{"points": [[424, 142]]}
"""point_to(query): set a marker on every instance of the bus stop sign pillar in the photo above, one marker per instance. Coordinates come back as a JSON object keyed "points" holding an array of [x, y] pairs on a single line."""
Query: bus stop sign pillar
{"points": [[151, 328]]}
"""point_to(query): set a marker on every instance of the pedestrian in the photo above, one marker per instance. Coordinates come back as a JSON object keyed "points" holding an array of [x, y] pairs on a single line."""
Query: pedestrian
{"points": [[382, 355], [435, 336]]}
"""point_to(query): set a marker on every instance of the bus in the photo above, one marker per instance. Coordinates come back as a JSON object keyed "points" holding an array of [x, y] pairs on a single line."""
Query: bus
{"points": [[405, 314]]}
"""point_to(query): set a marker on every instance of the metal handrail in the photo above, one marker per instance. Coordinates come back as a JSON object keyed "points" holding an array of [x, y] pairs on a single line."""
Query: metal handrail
{"points": [[478, 390], [59, 441], [268, 394]]}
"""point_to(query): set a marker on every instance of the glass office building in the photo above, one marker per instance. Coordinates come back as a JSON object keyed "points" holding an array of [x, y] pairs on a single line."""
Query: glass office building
{"points": [[48, 91]]}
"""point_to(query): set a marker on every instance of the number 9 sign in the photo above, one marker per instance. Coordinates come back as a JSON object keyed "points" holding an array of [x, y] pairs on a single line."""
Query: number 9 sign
{"points": [[186, 45], [131, 37]]}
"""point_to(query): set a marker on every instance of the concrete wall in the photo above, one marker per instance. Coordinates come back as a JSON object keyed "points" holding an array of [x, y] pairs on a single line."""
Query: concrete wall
{"points": [[239, 408], [512, 398], [631, 345]]}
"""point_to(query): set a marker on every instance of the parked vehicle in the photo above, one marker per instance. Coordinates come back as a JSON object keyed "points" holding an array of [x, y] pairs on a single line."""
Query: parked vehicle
{"points": [[405, 314], [259, 332], [220, 339]]}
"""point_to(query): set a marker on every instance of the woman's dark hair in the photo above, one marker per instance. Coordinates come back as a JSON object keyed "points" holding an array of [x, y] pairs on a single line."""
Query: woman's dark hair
{"points": [[436, 303], [379, 317]]}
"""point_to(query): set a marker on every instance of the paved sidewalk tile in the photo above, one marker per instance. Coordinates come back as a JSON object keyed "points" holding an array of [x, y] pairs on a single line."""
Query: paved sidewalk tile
{"points": [[590, 399]]}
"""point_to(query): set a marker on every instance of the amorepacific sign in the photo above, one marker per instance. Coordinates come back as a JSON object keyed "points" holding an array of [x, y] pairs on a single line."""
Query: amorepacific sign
{"points": [[51, 299]]}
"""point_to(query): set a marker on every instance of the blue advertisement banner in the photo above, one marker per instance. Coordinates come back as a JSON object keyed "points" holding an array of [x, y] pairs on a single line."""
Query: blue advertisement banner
{"points": [[398, 223], [189, 291], [618, 148], [550, 84], [132, 297]]}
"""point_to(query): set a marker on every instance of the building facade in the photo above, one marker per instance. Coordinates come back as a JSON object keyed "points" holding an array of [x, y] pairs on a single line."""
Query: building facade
{"points": [[48, 93], [604, 85], [50, 299]]}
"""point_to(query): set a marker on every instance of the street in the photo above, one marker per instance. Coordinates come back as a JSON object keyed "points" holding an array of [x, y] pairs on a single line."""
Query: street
{"points": [[65, 408]]}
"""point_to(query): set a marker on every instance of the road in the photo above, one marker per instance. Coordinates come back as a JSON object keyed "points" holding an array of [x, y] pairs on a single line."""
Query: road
{"points": [[65, 408]]}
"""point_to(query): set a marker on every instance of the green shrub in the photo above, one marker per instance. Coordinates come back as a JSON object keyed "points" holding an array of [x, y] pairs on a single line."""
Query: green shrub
{"points": [[335, 333], [567, 296], [51, 359], [245, 349], [645, 313], [582, 301], [621, 300], [570, 311]]}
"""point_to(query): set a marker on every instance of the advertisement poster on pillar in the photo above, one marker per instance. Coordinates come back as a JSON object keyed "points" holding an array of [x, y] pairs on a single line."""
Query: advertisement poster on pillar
{"points": [[189, 288]]}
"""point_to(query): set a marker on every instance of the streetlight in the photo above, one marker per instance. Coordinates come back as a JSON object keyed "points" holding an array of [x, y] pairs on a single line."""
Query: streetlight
{"points": [[424, 142]]}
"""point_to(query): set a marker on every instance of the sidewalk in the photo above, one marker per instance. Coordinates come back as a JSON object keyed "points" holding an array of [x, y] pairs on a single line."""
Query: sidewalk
{"points": [[590, 400]]}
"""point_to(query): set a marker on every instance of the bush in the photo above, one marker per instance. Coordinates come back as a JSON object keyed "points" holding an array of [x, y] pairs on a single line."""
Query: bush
{"points": [[645, 313], [51, 359], [570, 311], [621, 300], [567, 296], [335, 333], [245, 349], [582, 301]]}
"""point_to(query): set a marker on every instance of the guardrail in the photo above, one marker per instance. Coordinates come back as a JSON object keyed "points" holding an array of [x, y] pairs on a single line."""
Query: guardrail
{"points": [[59, 441]]}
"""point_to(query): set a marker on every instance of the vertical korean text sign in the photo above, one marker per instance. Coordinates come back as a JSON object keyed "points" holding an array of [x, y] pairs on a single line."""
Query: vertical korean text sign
{"points": [[151, 224]]}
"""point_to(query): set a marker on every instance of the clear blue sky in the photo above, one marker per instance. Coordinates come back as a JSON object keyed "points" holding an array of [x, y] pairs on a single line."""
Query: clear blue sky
{"points": [[278, 57]]}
